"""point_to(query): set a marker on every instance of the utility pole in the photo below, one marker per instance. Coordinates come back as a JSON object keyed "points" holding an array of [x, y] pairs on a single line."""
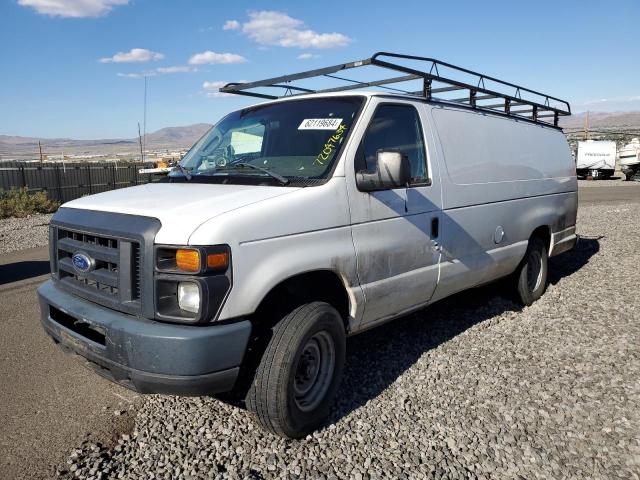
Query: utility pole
{"points": [[586, 126], [40, 148], [144, 141], [140, 140]]}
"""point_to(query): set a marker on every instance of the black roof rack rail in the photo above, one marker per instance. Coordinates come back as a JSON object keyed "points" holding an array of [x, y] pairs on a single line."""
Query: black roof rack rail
{"points": [[504, 97]]}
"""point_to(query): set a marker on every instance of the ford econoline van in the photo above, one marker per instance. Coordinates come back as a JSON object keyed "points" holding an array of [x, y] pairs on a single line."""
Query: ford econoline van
{"points": [[297, 222]]}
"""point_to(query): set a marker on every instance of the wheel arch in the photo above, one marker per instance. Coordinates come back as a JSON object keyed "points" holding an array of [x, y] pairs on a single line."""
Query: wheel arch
{"points": [[323, 285], [544, 233]]}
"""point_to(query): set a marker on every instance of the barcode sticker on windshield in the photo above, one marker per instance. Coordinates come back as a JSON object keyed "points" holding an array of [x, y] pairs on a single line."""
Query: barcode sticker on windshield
{"points": [[320, 124]]}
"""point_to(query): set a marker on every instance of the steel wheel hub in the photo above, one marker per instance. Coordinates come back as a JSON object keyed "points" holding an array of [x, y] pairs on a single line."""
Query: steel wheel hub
{"points": [[314, 371]]}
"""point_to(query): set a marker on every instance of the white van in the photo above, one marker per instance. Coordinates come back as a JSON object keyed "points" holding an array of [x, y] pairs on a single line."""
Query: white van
{"points": [[297, 222]]}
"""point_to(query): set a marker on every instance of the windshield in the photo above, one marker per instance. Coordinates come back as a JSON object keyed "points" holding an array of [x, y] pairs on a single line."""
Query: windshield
{"points": [[294, 141]]}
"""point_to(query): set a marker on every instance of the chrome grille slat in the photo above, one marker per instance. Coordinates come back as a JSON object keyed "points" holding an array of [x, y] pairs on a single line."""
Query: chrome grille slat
{"points": [[101, 275], [107, 254]]}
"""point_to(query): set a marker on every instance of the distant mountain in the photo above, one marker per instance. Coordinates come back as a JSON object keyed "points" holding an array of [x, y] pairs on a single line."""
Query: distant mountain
{"points": [[603, 120], [30, 141], [178, 137]]}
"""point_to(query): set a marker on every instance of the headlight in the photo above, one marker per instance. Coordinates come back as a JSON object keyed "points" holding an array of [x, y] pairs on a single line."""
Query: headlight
{"points": [[191, 283], [189, 297]]}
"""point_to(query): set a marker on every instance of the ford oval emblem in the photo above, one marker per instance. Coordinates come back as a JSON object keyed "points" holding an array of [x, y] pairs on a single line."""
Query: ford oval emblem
{"points": [[82, 262]]}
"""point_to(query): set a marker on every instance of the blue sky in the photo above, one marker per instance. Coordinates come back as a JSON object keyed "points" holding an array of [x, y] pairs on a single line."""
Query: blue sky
{"points": [[71, 68]]}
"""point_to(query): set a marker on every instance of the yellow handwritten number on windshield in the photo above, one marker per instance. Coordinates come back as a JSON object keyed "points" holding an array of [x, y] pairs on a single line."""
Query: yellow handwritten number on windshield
{"points": [[330, 146]]}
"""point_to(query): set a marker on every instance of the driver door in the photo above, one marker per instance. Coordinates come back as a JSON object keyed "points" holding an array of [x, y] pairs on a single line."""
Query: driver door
{"points": [[395, 232]]}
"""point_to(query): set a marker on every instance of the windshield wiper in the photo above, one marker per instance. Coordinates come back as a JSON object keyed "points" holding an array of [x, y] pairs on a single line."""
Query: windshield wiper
{"points": [[184, 171], [277, 176]]}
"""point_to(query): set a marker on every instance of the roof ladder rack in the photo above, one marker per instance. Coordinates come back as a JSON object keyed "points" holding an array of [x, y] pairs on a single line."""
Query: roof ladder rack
{"points": [[484, 88]]}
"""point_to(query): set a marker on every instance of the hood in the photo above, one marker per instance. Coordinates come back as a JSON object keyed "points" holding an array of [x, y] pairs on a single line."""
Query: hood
{"points": [[180, 207]]}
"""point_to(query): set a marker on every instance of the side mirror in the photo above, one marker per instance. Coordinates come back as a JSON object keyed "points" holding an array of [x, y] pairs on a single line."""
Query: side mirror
{"points": [[393, 170]]}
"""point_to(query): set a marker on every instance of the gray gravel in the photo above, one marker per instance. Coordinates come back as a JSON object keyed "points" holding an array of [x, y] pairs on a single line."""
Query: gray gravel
{"points": [[473, 387], [616, 181], [21, 233]]}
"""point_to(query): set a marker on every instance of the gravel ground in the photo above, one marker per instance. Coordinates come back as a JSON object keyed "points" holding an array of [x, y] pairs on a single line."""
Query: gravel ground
{"points": [[21, 233], [473, 387], [616, 181]]}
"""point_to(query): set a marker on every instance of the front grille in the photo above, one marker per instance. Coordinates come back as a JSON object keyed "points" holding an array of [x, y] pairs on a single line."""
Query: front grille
{"points": [[115, 276], [120, 250], [104, 277]]}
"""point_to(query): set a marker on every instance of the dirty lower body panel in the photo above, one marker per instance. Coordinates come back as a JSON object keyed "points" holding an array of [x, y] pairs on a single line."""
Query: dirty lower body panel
{"points": [[141, 354]]}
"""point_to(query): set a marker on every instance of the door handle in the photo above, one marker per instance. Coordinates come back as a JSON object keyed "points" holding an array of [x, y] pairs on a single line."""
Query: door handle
{"points": [[435, 227], [435, 232]]}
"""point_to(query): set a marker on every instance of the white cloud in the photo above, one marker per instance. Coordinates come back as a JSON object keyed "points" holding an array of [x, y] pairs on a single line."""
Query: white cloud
{"points": [[72, 8], [610, 104], [213, 85], [159, 71], [137, 75], [133, 55], [307, 56], [610, 101], [210, 57], [231, 25], [175, 69], [211, 89], [268, 27]]}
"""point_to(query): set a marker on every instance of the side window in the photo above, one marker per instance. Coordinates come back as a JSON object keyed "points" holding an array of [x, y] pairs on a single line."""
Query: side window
{"points": [[395, 127]]}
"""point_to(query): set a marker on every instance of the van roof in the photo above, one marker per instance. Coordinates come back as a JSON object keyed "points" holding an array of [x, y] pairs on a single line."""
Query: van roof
{"points": [[469, 89]]}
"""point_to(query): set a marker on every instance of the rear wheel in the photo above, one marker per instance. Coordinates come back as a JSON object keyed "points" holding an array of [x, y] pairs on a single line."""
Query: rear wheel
{"points": [[299, 372], [531, 275]]}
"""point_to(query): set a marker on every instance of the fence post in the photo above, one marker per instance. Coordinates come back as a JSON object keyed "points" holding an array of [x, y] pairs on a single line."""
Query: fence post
{"points": [[90, 183], [59, 184], [113, 177], [24, 179]]}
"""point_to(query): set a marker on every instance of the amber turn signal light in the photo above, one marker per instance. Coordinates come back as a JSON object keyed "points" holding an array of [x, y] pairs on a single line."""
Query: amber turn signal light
{"points": [[188, 260], [218, 260]]}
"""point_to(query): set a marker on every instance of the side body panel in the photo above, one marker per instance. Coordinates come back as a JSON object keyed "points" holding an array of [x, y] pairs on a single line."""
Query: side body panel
{"points": [[501, 179]]}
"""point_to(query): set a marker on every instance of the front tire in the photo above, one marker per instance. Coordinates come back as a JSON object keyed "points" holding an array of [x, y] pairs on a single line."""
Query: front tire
{"points": [[299, 372], [531, 275]]}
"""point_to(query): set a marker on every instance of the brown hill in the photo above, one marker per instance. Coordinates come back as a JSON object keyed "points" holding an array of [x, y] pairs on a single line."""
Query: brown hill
{"points": [[178, 136], [602, 120], [171, 136]]}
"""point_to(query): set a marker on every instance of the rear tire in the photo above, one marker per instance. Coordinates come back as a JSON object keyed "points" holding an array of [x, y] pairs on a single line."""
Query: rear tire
{"points": [[531, 274], [299, 372]]}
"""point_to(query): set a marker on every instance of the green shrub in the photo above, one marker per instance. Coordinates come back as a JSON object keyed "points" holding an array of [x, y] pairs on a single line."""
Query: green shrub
{"points": [[18, 202]]}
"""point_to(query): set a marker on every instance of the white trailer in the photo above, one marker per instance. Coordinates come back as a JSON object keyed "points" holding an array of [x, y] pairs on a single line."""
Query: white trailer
{"points": [[596, 159], [629, 158]]}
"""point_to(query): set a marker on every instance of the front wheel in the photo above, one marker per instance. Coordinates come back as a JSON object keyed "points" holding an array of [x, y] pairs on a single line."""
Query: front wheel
{"points": [[299, 372], [531, 275]]}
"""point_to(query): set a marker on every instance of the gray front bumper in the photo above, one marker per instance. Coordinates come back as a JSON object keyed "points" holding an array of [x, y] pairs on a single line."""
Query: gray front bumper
{"points": [[145, 355]]}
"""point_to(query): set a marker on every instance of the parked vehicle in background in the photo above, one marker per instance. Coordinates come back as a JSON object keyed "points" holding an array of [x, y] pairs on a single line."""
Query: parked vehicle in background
{"points": [[596, 159], [300, 221], [629, 158]]}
